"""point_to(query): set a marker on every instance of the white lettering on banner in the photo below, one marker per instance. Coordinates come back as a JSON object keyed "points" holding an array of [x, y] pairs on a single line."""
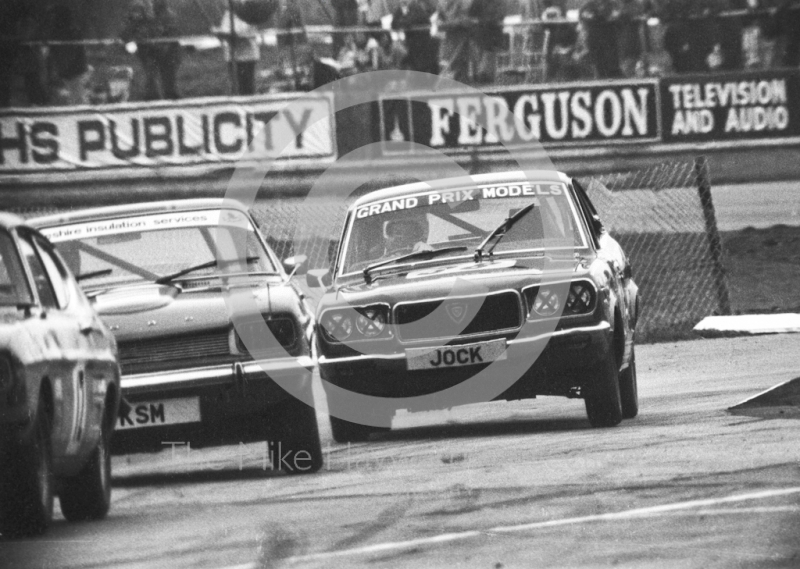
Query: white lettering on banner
{"points": [[613, 112], [752, 106], [178, 133], [455, 196]]}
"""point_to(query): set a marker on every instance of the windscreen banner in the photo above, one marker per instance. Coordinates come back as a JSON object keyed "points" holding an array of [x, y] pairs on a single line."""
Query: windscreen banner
{"points": [[732, 106], [176, 133], [569, 115]]}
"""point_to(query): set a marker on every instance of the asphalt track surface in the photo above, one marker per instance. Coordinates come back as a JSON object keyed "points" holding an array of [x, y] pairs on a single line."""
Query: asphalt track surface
{"points": [[502, 485]]}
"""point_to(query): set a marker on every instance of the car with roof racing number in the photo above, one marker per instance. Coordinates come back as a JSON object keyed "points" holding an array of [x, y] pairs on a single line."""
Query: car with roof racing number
{"points": [[158, 274], [507, 285], [59, 389]]}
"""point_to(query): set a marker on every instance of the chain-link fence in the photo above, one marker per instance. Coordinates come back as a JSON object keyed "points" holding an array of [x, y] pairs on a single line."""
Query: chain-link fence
{"points": [[658, 217], [656, 214]]}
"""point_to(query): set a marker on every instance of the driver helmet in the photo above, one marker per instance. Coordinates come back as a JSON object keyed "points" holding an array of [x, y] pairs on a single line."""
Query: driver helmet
{"points": [[403, 232]]}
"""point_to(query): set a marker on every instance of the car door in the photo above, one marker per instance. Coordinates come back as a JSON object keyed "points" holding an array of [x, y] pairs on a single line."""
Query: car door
{"points": [[96, 348], [61, 351]]}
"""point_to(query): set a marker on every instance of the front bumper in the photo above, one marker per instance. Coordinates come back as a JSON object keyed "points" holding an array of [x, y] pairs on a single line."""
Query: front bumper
{"points": [[235, 402], [565, 364], [238, 374]]}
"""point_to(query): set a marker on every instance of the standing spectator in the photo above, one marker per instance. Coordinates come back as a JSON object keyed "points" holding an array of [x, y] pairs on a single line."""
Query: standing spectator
{"points": [[687, 37], [160, 60], [292, 35], [489, 37], [18, 24], [562, 38], [789, 18], [346, 14], [457, 50], [241, 50], [414, 18], [601, 38], [68, 70], [629, 38]]}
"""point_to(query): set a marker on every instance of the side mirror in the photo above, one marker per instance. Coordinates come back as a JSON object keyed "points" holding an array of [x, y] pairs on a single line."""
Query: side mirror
{"points": [[319, 278], [296, 265], [597, 224]]}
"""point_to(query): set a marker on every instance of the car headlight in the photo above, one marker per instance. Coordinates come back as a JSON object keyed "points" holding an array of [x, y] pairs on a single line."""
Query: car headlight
{"points": [[337, 326], [545, 302], [360, 323], [371, 322], [580, 299], [283, 328]]}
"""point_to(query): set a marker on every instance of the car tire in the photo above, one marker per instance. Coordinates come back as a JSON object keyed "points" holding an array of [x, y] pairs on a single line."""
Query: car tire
{"points": [[87, 495], [296, 448], [26, 497], [603, 400], [629, 389]]}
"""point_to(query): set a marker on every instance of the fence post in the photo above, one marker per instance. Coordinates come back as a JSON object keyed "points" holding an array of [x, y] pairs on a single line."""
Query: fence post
{"points": [[712, 233]]}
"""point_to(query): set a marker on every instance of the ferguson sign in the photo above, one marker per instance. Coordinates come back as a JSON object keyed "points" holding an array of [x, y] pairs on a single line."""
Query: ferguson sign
{"points": [[553, 115]]}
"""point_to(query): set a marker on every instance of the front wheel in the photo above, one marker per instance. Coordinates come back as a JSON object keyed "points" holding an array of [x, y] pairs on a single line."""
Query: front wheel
{"points": [[603, 400], [296, 448], [87, 495], [629, 390], [26, 488]]}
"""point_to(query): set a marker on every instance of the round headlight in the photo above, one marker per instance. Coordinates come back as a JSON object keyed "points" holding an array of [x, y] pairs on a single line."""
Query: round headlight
{"points": [[579, 300], [547, 303], [337, 326], [371, 323]]}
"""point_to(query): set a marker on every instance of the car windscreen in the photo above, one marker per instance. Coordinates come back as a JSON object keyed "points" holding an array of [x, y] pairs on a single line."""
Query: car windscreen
{"points": [[134, 249], [13, 285], [463, 218]]}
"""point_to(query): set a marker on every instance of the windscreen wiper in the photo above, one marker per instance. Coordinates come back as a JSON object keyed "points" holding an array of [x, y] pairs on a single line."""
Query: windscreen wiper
{"points": [[409, 256], [207, 265], [500, 231], [93, 275]]}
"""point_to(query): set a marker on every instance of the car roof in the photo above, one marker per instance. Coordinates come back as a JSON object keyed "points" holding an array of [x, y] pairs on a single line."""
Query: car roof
{"points": [[453, 183], [9, 220], [146, 208]]}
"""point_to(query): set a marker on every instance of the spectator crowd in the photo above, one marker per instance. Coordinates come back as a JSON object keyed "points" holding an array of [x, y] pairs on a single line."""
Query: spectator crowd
{"points": [[464, 40]]}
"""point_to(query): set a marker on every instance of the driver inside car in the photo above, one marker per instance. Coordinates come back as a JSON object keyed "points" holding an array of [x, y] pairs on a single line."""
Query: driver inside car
{"points": [[405, 235]]}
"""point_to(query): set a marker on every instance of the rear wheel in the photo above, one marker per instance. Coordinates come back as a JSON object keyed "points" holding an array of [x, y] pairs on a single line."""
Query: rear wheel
{"points": [[87, 495], [603, 400], [26, 496], [296, 447], [629, 390]]}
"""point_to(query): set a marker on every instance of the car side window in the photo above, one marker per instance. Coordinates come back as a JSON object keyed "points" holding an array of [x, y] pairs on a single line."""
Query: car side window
{"points": [[41, 280], [589, 212], [55, 270], [14, 286]]}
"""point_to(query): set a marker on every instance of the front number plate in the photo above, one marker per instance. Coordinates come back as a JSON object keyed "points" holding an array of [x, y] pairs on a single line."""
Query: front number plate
{"points": [[156, 413], [456, 356]]}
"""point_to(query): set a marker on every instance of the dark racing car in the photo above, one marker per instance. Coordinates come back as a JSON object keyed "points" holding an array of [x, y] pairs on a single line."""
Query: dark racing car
{"points": [[158, 275], [494, 287], [59, 389]]}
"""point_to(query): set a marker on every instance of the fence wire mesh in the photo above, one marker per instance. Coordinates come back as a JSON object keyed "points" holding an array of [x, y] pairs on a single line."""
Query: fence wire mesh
{"points": [[656, 215]]}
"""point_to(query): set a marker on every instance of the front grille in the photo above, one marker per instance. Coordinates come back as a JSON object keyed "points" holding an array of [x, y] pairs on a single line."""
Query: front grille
{"points": [[282, 328], [171, 348], [464, 316]]}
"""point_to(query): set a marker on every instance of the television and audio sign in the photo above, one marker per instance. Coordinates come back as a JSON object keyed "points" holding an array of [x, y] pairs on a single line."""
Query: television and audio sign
{"points": [[586, 114], [755, 105], [199, 131]]}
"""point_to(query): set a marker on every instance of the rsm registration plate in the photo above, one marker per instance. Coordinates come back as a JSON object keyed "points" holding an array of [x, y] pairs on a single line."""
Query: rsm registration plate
{"points": [[156, 413], [455, 356]]}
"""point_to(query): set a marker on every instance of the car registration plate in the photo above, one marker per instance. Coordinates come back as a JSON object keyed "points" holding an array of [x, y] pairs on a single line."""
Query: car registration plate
{"points": [[456, 356], [156, 413]]}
